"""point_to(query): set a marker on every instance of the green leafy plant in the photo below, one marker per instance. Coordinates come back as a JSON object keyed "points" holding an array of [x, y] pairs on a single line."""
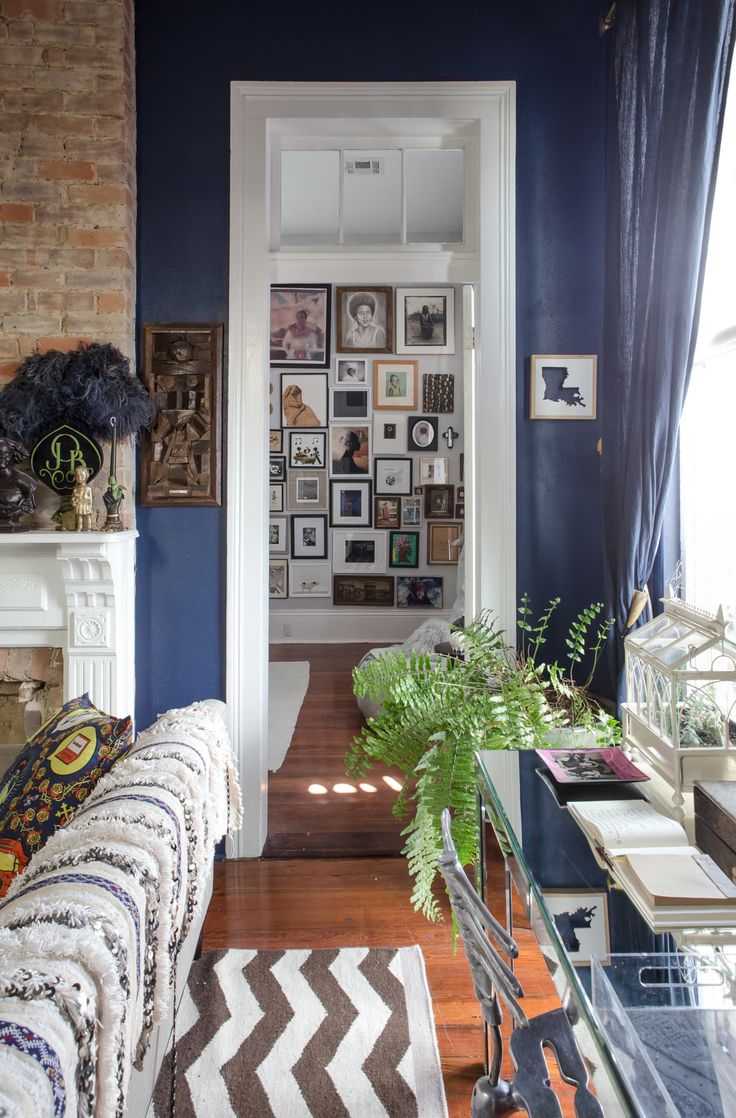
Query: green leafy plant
{"points": [[438, 711]]}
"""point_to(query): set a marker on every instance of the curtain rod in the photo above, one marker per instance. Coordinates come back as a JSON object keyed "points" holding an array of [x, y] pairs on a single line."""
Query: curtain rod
{"points": [[606, 21]]}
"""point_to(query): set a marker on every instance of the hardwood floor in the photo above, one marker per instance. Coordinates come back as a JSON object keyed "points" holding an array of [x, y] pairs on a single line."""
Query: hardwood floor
{"points": [[321, 900]]}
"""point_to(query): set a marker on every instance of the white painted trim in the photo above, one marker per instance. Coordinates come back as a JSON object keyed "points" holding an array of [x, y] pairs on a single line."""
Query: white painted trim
{"points": [[347, 626], [257, 109]]}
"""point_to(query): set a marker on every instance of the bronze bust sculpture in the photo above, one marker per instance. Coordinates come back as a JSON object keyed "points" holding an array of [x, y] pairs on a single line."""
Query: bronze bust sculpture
{"points": [[16, 488]]}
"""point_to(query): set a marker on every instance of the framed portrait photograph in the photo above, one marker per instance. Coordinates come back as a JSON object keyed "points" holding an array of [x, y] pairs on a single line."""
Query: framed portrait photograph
{"points": [[310, 580], [299, 327], [422, 432], [439, 501], [414, 592], [563, 387], [276, 441], [351, 370], [387, 512], [309, 537], [460, 502], [278, 535], [411, 512], [403, 549], [308, 450], [434, 471], [303, 399], [306, 491], [351, 504], [425, 320], [276, 496], [350, 449], [395, 385], [438, 393], [278, 578], [363, 590], [393, 476], [365, 319], [389, 433], [581, 919], [443, 544], [350, 403], [360, 553], [277, 467]]}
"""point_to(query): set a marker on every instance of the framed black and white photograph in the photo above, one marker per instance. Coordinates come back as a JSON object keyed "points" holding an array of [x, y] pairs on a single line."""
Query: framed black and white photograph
{"points": [[350, 403], [439, 502], [276, 496], [395, 385], [415, 592], [425, 320], [351, 504], [359, 552], [393, 476], [276, 441], [387, 512], [365, 319], [308, 450], [277, 467], [434, 471], [563, 386], [300, 326], [303, 399], [411, 512], [310, 580], [306, 491], [351, 371], [389, 433], [438, 393], [581, 919], [309, 537], [350, 449], [422, 433], [278, 535], [278, 578]]}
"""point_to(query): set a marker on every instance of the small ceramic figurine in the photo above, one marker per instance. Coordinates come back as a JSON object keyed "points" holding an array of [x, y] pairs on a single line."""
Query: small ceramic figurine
{"points": [[16, 488], [82, 500]]}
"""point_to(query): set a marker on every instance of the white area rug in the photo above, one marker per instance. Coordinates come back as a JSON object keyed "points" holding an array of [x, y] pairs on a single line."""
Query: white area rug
{"points": [[287, 686]]}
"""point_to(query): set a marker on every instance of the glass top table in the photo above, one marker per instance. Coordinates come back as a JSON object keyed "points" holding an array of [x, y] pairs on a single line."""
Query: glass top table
{"points": [[552, 860]]}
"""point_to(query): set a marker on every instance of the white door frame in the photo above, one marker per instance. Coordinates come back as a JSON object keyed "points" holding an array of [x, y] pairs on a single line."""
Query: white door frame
{"points": [[258, 111]]}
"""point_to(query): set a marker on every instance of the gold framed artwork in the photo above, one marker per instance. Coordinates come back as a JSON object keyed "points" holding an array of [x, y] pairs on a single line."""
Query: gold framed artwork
{"points": [[443, 544], [395, 385]]}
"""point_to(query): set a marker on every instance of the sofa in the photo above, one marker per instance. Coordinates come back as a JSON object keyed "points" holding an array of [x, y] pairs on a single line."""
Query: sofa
{"points": [[98, 932]]}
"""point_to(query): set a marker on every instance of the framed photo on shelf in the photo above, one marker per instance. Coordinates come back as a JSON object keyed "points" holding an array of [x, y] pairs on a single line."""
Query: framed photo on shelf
{"points": [[425, 320], [309, 537], [439, 502], [350, 449], [395, 385], [389, 433], [411, 512], [581, 918], [393, 476], [308, 450], [360, 553], [403, 549], [310, 580], [277, 467], [363, 590], [303, 399], [351, 503], [388, 512], [306, 491], [442, 543], [563, 386], [278, 578], [365, 319], [300, 326], [413, 592], [350, 403], [276, 496], [278, 535], [276, 441], [433, 471], [351, 371], [421, 432]]}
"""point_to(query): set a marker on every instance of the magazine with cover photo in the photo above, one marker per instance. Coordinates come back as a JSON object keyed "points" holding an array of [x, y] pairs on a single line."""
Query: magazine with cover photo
{"points": [[585, 766]]}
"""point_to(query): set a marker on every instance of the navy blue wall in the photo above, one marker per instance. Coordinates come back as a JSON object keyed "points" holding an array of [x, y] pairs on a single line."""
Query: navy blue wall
{"points": [[187, 55]]}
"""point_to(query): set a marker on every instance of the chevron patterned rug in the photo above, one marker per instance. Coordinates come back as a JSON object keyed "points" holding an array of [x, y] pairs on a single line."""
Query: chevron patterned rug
{"points": [[342, 1033]]}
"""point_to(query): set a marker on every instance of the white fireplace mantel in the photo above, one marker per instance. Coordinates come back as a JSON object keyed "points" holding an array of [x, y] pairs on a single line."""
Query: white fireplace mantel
{"points": [[74, 591]]}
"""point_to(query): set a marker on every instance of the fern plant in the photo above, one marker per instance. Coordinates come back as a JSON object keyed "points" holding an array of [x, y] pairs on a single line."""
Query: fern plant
{"points": [[437, 712]]}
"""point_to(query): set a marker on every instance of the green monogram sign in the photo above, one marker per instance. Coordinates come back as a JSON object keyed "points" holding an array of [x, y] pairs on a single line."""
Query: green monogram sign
{"points": [[56, 456]]}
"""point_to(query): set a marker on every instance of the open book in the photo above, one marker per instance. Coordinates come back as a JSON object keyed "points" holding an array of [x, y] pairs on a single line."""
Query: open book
{"points": [[649, 855], [588, 766]]}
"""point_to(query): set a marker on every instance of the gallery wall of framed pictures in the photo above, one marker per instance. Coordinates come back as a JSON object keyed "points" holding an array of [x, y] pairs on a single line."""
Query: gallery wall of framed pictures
{"points": [[366, 490]]}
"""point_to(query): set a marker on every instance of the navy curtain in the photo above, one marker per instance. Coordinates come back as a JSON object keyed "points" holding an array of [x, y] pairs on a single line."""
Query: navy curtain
{"points": [[669, 66]]}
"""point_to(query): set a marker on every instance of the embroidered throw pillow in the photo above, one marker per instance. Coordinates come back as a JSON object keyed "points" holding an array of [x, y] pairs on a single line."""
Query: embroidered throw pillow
{"points": [[54, 774]]}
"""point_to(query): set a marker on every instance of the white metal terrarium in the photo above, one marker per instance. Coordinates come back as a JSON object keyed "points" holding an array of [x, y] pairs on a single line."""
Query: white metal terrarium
{"points": [[681, 696]]}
